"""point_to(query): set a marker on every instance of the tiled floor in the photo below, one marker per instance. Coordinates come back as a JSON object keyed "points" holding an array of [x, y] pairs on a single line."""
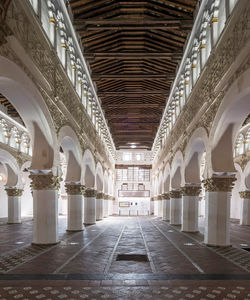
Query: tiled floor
{"points": [[84, 264]]}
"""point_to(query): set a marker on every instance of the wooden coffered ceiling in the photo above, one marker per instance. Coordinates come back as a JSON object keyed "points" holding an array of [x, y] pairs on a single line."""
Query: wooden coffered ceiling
{"points": [[133, 49]]}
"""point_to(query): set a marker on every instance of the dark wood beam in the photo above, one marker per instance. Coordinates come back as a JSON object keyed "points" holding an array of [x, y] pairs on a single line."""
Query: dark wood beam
{"points": [[135, 93], [132, 21], [135, 55], [134, 106], [131, 76]]}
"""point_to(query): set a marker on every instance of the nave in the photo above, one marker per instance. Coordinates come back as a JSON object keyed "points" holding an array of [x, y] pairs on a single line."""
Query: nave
{"points": [[177, 265]]}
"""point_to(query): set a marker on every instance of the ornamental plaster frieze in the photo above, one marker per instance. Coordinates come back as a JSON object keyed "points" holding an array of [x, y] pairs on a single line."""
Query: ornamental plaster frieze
{"points": [[64, 106], [191, 190], [219, 183], [175, 194], [90, 193], [242, 159], [245, 194], [205, 97], [74, 189], [20, 157], [13, 192], [45, 182]]}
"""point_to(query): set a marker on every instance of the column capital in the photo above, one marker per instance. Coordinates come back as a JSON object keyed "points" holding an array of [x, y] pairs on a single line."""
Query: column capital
{"points": [[90, 193], [175, 194], [159, 197], [45, 182], [100, 195], [106, 197], [14, 192], [74, 189], [191, 190], [219, 183], [110, 197], [245, 194], [165, 196]]}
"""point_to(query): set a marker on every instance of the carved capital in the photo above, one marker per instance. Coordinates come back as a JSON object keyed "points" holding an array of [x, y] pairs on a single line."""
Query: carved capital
{"points": [[13, 192], [175, 194], [99, 196], [245, 194], [219, 183], [45, 182], [74, 189], [159, 197], [106, 197], [165, 196], [191, 190], [90, 193], [110, 197]]}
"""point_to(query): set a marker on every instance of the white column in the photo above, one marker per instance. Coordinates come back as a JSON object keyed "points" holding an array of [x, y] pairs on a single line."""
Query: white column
{"points": [[75, 207], [99, 206], [165, 207], [217, 210], [90, 206], [245, 213], [45, 197], [156, 206], [175, 207], [159, 206], [110, 206], [190, 206], [14, 204], [105, 206]]}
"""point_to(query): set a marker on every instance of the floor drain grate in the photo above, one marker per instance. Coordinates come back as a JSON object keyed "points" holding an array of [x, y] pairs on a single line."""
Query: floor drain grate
{"points": [[133, 257], [246, 249]]}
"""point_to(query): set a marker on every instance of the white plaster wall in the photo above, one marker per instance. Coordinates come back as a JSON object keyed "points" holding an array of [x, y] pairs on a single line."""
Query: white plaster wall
{"points": [[143, 206], [3, 201], [26, 199], [236, 202]]}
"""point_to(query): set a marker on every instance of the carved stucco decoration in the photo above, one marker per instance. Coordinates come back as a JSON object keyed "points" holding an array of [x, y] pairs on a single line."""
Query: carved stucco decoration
{"points": [[219, 184], [165, 196], [90, 193], [14, 192], [44, 182], [204, 101], [99, 196], [74, 189], [245, 194], [20, 157], [159, 197], [175, 194], [242, 159], [46, 60], [191, 190], [106, 197]]}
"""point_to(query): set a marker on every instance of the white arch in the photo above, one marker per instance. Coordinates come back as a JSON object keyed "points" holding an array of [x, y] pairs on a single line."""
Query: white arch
{"points": [[18, 88], [88, 169], [99, 177], [231, 114], [69, 142], [197, 145], [12, 168], [166, 178], [177, 171]]}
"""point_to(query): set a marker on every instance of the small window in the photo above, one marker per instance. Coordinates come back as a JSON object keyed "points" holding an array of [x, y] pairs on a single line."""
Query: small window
{"points": [[127, 156], [138, 156]]}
